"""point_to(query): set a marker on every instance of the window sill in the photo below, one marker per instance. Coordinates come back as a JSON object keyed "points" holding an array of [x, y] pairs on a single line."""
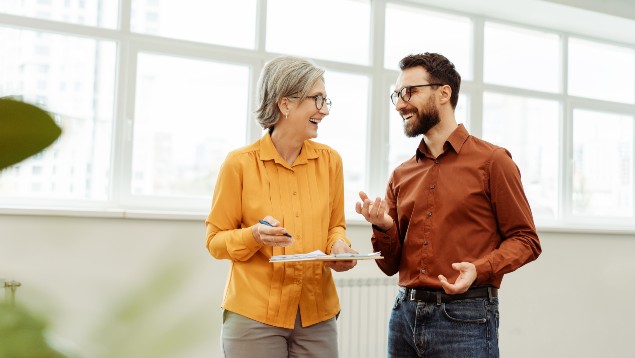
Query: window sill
{"points": [[107, 213], [138, 214]]}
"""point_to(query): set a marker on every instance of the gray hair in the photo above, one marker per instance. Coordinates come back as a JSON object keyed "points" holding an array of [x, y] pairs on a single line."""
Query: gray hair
{"points": [[283, 76]]}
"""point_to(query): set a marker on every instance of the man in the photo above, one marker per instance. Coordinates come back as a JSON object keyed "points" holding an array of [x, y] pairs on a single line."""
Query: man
{"points": [[455, 220]]}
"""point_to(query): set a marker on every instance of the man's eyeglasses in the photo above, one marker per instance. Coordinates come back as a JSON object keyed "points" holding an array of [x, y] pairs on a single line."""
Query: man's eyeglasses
{"points": [[319, 101], [406, 92]]}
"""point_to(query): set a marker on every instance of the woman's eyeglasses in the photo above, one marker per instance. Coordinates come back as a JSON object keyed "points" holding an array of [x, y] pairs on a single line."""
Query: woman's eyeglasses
{"points": [[319, 101]]}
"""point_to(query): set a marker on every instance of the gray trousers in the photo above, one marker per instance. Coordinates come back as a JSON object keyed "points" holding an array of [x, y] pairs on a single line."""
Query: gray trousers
{"points": [[242, 337]]}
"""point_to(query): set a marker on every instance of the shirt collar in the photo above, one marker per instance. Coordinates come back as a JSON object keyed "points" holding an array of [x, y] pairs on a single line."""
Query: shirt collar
{"points": [[455, 141], [268, 151]]}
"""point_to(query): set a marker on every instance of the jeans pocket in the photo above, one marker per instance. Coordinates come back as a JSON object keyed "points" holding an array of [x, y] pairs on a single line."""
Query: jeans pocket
{"points": [[466, 311], [401, 294]]}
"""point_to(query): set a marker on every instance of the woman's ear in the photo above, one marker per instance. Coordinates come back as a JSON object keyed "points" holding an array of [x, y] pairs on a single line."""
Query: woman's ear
{"points": [[283, 105]]}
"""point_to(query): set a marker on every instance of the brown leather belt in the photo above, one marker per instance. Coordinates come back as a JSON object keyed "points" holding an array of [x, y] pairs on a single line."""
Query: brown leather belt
{"points": [[415, 294]]}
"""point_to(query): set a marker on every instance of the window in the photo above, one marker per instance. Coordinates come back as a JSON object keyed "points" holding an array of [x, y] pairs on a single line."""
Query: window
{"points": [[529, 129], [345, 128], [186, 121], [102, 13], [153, 94], [601, 71], [86, 116], [411, 30], [298, 27], [518, 57], [231, 23], [602, 164]]}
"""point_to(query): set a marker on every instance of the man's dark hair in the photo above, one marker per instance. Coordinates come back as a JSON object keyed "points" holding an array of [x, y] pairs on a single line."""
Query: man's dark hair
{"points": [[441, 70]]}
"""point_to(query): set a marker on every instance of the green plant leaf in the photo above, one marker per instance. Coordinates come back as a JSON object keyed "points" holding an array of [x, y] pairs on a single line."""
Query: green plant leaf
{"points": [[25, 130]]}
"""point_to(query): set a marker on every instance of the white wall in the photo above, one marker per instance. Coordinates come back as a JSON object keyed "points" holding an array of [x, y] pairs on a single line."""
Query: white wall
{"points": [[141, 288]]}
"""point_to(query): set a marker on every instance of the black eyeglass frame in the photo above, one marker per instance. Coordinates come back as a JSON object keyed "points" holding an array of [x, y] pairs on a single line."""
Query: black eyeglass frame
{"points": [[394, 97], [321, 103]]}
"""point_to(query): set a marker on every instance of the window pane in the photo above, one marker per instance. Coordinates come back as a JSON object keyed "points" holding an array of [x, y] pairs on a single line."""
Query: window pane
{"points": [[508, 50], [187, 119], [529, 129], [593, 75], [402, 148], [101, 13], [345, 130], [410, 30], [603, 164], [292, 24], [73, 78], [227, 23]]}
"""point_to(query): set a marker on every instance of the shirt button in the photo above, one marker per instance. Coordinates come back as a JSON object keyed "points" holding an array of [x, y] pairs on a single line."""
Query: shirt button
{"points": [[433, 186], [429, 213], [425, 242], [436, 161], [423, 271]]}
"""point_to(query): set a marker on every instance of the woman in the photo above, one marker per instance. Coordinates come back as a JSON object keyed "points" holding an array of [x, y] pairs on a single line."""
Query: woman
{"points": [[296, 186]]}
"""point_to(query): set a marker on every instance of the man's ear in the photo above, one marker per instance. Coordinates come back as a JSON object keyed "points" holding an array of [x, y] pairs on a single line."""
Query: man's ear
{"points": [[445, 93]]}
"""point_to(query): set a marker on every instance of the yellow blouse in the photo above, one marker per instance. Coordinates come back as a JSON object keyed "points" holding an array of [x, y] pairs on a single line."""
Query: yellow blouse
{"points": [[308, 199]]}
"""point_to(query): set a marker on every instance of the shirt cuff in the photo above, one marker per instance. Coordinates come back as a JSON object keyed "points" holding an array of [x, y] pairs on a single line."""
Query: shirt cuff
{"points": [[483, 272], [384, 234], [249, 241], [330, 246]]}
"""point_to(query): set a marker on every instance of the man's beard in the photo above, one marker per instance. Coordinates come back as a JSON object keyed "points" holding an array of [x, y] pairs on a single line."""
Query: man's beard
{"points": [[426, 118]]}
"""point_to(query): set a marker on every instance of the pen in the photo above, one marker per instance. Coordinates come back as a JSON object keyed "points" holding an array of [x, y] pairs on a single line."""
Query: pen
{"points": [[266, 223]]}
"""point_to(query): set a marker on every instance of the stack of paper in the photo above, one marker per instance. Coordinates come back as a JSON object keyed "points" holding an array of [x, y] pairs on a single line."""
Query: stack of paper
{"points": [[318, 255]]}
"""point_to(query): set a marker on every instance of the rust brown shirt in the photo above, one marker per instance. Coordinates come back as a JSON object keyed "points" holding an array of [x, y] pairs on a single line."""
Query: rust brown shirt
{"points": [[468, 204]]}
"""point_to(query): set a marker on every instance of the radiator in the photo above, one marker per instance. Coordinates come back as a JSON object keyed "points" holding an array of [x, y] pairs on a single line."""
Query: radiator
{"points": [[363, 322]]}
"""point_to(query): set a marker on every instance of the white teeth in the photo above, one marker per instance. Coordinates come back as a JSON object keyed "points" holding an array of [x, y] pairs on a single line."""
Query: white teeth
{"points": [[316, 121]]}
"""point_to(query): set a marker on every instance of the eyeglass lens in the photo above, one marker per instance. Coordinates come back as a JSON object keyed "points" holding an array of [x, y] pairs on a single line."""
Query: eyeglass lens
{"points": [[319, 102], [404, 93]]}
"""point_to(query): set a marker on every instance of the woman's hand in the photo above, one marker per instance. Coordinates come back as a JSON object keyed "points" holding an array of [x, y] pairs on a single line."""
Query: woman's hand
{"points": [[271, 235], [340, 247]]}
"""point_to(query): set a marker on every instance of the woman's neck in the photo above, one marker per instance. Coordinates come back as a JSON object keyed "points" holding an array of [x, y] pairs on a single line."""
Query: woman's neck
{"points": [[288, 147]]}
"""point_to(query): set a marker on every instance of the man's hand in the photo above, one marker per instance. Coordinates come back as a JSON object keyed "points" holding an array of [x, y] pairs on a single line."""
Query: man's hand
{"points": [[467, 276], [340, 247], [375, 212]]}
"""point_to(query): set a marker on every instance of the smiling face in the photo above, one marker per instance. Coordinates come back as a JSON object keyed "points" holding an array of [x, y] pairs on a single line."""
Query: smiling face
{"points": [[304, 117], [420, 113]]}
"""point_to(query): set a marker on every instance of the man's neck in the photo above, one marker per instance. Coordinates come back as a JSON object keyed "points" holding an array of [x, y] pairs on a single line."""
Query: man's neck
{"points": [[435, 138]]}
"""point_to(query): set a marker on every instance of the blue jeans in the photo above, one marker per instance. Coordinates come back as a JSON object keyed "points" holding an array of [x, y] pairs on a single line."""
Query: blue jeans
{"points": [[462, 328]]}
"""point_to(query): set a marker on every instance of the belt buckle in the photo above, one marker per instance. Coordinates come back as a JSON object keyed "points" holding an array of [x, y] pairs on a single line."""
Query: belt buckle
{"points": [[412, 294]]}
